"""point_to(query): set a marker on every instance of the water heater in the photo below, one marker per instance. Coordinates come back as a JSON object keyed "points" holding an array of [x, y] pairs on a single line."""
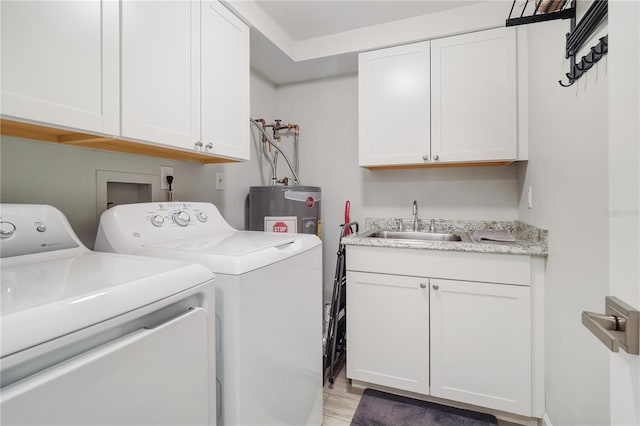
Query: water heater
{"points": [[285, 209]]}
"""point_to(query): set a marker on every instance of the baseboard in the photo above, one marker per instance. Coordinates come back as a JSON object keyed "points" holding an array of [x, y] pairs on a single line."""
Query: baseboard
{"points": [[546, 421]]}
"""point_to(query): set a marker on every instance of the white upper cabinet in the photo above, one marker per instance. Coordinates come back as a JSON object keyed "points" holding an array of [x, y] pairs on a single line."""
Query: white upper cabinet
{"points": [[394, 92], [473, 97], [185, 76], [161, 72], [60, 63], [451, 100], [225, 82]]}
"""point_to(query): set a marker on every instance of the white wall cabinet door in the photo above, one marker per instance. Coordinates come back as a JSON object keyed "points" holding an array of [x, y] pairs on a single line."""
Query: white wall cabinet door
{"points": [[481, 344], [60, 63], [394, 122], [225, 82], [473, 97], [161, 72], [388, 330]]}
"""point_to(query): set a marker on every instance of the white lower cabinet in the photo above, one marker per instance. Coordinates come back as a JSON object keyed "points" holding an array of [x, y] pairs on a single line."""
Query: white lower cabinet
{"points": [[481, 344], [474, 342], [388, 330]]}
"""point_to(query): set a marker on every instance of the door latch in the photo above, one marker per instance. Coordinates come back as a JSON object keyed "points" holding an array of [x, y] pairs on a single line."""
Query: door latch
{"points": [[619, 327]]}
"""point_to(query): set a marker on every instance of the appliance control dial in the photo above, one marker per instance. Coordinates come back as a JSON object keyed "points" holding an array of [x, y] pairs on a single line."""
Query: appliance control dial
{"points": [[181, 218], [7, 229], [202, 216], [157, 220], [41, 227]]}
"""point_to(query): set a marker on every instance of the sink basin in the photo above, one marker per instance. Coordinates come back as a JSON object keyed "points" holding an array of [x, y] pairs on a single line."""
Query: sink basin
{"points": [[411, 235]]}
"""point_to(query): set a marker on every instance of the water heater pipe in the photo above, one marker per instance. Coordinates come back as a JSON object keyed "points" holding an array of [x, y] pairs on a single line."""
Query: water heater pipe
{"points": [[266, 136]]}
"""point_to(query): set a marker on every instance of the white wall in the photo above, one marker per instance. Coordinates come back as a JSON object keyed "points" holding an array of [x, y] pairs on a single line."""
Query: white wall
{"points": [[327, 111], [240, 176], [65, 177], [624, 195], [567, 170]]}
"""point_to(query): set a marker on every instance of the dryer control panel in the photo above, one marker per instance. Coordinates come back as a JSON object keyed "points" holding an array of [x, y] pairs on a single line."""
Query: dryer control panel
{"points": [[34, 228]]}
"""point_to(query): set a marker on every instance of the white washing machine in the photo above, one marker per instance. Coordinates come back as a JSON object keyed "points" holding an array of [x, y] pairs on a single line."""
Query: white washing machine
{"points": [[99, 338], [268, 304]]}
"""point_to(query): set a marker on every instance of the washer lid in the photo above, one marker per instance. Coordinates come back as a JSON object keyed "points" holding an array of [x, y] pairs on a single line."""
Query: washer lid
{"points": [[234, 252], [43, 300]]}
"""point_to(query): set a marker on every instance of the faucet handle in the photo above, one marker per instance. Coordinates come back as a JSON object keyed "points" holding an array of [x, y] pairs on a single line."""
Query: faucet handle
{"points": [[432, 226], [400, 224]]}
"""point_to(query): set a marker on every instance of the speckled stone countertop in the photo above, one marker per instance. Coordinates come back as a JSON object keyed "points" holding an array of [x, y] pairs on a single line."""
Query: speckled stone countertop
{"points": [[530, 240]]}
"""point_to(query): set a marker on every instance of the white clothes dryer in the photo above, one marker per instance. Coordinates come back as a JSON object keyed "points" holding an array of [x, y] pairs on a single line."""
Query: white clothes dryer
{"points": [[268, 304], [99, 338]]}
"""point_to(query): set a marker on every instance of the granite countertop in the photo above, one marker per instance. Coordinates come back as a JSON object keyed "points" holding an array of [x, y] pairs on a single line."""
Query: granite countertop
{"points": [[530, 240]]}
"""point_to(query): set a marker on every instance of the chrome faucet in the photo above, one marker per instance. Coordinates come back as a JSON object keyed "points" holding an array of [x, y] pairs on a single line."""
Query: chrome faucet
{"points": [[415, 216]]}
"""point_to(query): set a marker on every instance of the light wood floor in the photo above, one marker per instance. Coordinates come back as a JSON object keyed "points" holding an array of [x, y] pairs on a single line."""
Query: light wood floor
{"points": [[341, 401]]}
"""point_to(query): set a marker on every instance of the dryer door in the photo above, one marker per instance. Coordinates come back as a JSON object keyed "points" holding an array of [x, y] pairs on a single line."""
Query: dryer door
{"points": [[152, 376]]}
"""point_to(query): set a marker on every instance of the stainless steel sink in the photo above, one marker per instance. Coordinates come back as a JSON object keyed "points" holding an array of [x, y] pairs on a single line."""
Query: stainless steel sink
{"points": [[411, 235]]}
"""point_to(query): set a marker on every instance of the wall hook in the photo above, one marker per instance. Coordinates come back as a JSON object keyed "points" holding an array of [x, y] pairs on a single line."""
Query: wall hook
{"points": [[571, 81]]}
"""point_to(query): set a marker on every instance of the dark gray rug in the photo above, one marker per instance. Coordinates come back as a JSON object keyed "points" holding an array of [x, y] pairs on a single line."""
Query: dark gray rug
{"points": [[384, 409]]}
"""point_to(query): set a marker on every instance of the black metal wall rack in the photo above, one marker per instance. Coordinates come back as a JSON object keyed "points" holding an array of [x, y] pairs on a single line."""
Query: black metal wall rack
{"points": [[540, 11], [579, 34]]}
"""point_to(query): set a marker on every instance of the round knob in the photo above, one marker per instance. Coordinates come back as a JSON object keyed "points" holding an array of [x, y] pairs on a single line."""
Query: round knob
{"points": [[435, 286], [209, 145], [425, 157], [202, 216], [198, 145], [7, 229], [423, 285], [41, 227], [436, 157], [181, 218], [157, 220]]}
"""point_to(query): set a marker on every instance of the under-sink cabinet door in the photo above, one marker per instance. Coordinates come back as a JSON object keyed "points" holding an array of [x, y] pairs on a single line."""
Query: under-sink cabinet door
{"points": [[388, 330], [481, 344]]}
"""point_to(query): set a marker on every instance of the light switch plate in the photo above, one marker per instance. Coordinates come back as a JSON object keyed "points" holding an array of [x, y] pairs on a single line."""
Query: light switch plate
{"points": [[219, 181]]}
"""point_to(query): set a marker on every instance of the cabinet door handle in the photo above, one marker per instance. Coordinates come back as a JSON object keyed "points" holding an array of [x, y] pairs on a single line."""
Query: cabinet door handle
{"points": [[436, 157], [425, 157], [209, 145], [435, 287], [423, 285]]}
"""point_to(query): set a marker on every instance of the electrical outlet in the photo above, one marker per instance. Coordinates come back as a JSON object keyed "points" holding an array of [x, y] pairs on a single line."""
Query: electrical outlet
{"points": [[164, 172], [529, 198], [219, 181]]}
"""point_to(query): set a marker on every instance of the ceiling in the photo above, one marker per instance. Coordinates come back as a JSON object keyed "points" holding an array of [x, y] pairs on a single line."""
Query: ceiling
{"points": [[306, 20]]}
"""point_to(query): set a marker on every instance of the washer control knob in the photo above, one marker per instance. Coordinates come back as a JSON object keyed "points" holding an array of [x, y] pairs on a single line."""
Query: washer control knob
{"points": [[41, 227], [202, 216], [7, 229], [157, 220], [181, 218]]}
